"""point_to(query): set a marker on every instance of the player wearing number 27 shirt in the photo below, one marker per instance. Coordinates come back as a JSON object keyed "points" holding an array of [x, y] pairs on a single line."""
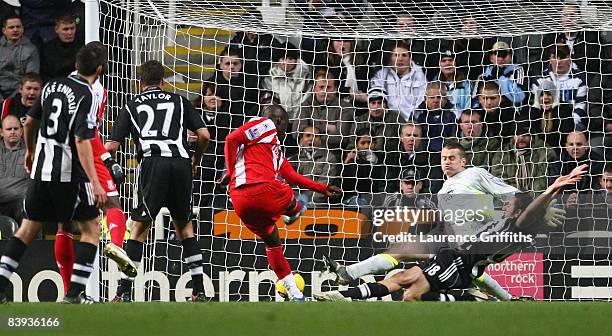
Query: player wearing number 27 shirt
{"points": [[254, 162]]}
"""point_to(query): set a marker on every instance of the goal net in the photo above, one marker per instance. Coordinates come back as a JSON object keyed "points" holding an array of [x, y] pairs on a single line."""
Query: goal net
{"points": [[373, 89]]}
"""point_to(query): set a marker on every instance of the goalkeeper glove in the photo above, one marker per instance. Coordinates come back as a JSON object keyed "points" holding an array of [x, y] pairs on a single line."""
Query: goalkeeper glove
{"points": [[554, 217], [113, 167]]}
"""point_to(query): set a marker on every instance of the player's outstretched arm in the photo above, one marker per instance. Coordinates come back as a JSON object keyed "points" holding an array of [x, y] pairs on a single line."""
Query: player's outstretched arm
{"points": [[295, 178], [539, 206]]}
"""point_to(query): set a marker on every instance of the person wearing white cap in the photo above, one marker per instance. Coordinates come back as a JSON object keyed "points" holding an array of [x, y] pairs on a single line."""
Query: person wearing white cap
{"points": [[510, 77]]}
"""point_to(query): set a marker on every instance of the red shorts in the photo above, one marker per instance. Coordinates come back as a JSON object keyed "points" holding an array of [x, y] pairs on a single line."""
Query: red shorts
{"points": [[261, 205], [105, 179]]}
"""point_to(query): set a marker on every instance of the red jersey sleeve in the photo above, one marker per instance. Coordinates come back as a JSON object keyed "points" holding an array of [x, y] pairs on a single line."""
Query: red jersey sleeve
{"points": [[232, 142], [294, 178]]}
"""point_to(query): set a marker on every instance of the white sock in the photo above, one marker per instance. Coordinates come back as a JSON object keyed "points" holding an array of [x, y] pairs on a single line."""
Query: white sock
{"points": [[292, 290], [373, 265], [489, 284]]}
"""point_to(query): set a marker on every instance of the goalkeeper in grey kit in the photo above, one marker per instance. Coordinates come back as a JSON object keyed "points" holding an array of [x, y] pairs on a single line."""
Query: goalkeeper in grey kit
{"points": [[455, 268]]}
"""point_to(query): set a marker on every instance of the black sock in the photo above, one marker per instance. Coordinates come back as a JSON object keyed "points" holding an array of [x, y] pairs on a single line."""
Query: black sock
{"points": [[134, 250], [443, 297], [193, 258], [10, 261], [83, 266], [366, 291]]}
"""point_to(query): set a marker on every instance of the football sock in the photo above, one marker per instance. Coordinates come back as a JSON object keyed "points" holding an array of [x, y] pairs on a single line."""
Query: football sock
{"points": [[489, 284], [10, 260], [292, 289], [64, 256], [366, 291], [373, 265], [296, 209], [193, 259], [115, 220], [278, 262], [134, 250], [83, 266], [443, 297]]}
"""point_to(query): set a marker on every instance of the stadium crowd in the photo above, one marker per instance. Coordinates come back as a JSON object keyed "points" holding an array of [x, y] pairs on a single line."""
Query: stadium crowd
{"points": [[370, 116]]}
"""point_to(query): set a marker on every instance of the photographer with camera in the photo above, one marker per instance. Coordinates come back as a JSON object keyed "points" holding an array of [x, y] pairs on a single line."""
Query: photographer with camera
{"points": [[362, 172]]}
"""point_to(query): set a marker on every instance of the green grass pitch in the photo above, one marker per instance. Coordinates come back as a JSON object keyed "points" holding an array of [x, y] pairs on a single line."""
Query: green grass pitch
{"points": [[314, 318]]}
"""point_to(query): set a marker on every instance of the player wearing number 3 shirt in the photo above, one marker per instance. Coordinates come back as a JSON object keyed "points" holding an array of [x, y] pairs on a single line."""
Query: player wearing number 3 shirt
{"points": [[254, 162]]}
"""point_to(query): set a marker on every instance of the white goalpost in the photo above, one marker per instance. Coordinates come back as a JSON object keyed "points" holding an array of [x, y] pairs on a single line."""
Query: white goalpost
{"points": [[191, 38]]}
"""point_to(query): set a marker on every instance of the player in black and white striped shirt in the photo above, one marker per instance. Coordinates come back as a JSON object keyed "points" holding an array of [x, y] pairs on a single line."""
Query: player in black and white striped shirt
{"points": [[64, 186], [456, 268], [158, 122]]}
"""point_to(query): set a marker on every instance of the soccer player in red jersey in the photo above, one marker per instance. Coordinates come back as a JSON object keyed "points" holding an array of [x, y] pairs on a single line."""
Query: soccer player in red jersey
{"points": [[254, 162], [110, 174]]}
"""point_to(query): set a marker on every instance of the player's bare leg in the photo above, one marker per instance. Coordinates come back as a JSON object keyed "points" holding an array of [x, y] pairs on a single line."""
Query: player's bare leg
{"points": [[193, 258], [83, 261], [134, 250], [280, 265]]}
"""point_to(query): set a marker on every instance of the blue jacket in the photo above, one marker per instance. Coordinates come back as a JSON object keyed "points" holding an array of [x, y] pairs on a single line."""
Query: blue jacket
{"points": [[437, 125], [511, 79]]}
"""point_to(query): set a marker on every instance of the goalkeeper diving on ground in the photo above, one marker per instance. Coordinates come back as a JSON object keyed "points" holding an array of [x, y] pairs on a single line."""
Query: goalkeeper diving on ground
{"points": [[456, 268], [465, 188]]}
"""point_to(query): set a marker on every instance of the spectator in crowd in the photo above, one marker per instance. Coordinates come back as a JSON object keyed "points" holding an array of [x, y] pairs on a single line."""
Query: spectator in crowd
{"points": [[313, 161], [290, 79], [458, 87], [256, 49], [471, 51], [600, 106], [410, 153], [479, 148], [328, 113], [18, 56], [403, 80], [604, 194], [551, 119], [238, 94], [436, 116], [218, 123], [29, 90], [584, 45], [566, 76], [577, 152], [510, 77], [525, 162], [409, 195], [347, 63], [499, 114], [362, 171], [57, 56], [13, 177], [382, 122], [39, 18]]}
